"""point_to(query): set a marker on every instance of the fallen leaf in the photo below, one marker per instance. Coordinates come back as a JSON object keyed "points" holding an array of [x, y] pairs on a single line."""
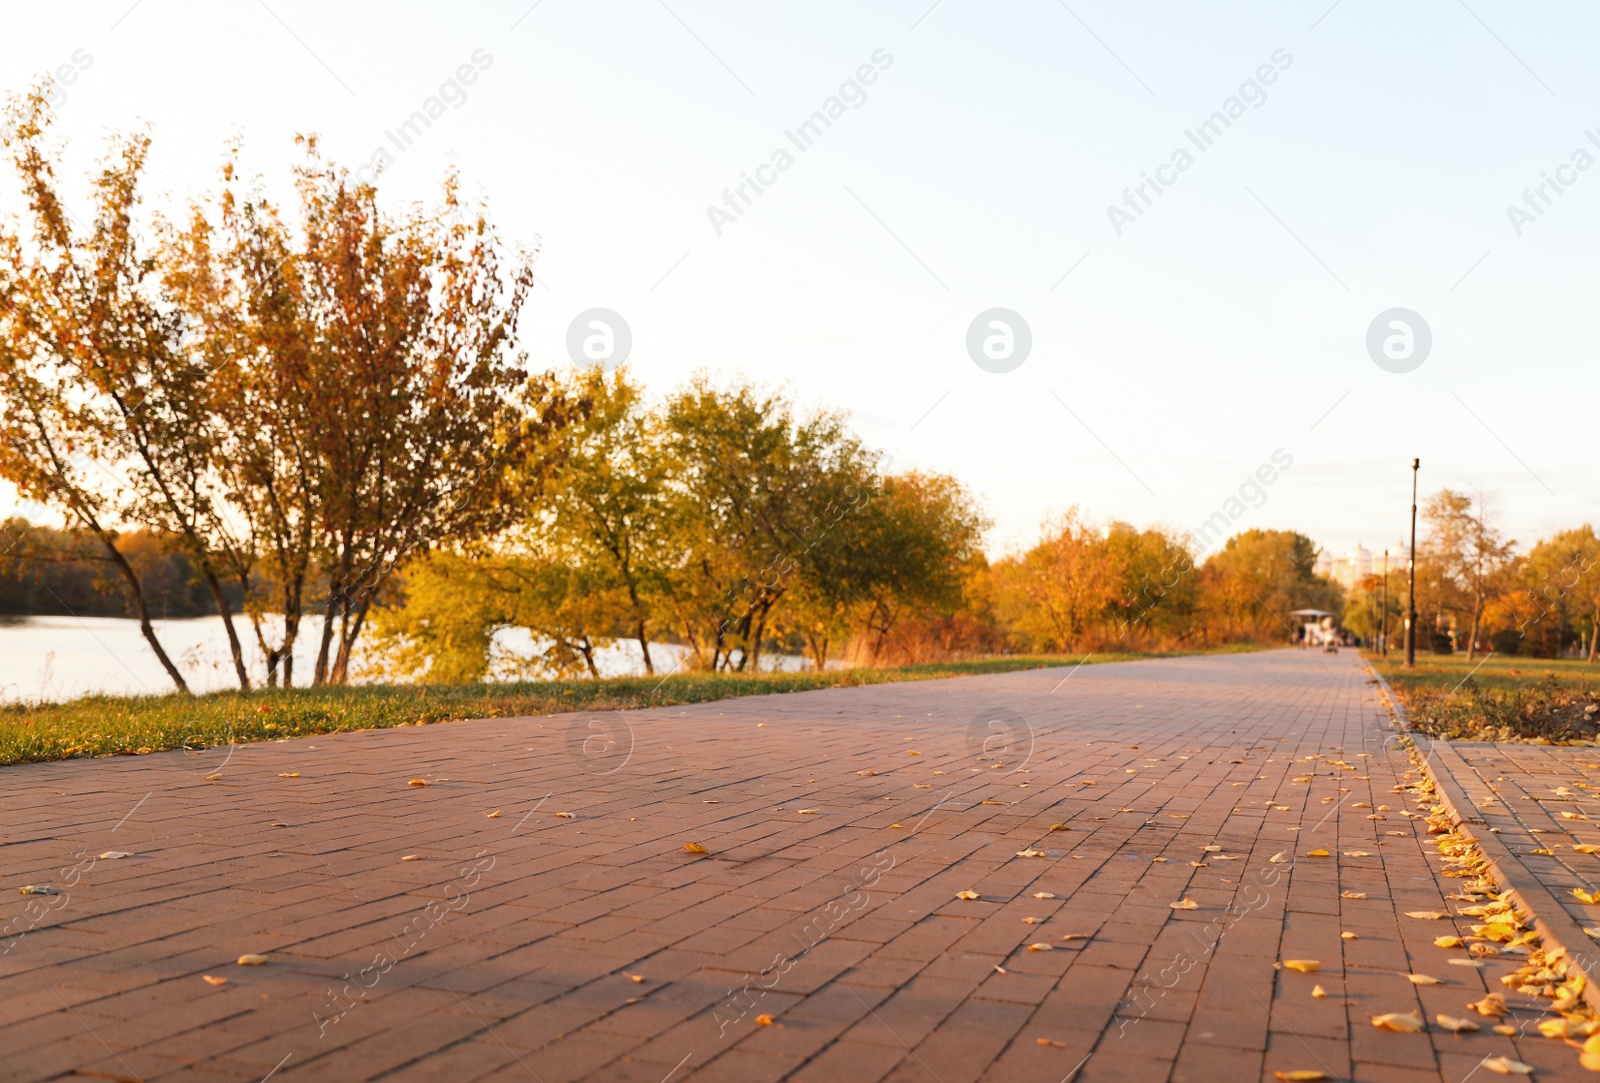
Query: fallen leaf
{"points": [[412, 857], [1047, 1041], [1585, 896], [1399, 1022], [1356, 853], [1302, 1075], [1041, 947], [1318, 991], [417, 782], [1305, 966], [1352, 895], [1030, 853], [1509, 1032], [252, 960], [290, 774], [1317, 853], [1348, 936], [1492, 1005], [566, 816], [807, 812], [763, 1020], [1060, 827], [968, 895], [1212, 849], [912, 752], [1423, 979], [1447, 942], [114, 855], [34, 889], [1507, 1066], [1185, 903], [1277, 858], [694, 848], [633, 977], [1455, 1026], [1044, 895], [1426, 915], [1075, 936], [212, 778], [495, 815]]}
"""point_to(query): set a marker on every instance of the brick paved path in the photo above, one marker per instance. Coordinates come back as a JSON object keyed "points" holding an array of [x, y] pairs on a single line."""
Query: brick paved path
{"points": [[553, 927], [1539, 801]]}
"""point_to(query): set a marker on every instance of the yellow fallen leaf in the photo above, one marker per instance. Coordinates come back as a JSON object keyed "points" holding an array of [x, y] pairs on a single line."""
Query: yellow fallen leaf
{"points": [[412, 857], [763, 1020], [1277, 858], [1356, 853], [1585, 896], [1447, 941], [1060, 827], [1302, 1075], [213, 778], [1348, 936], [495, 815], [1030, 853], [1305, 966], [1352, 895], [912, 752], [1455, 1026], [289, 774], [1317, 853], [1075, 936], [1399, 1022], [417, 782], [1507, 1066], [566, 816], [1050, 1041], [1426, 915], [1318, 991], [1510, 1032], [1492, 1005], [209, 980], [633, 977], [252, 960], [808, 812], [1423, 979], [694, 848], [114, 855], [894, 825], [1212, 849], [1044, 895], [1590, 1057], [1185, 903], [968, 895], [1041, 947]]}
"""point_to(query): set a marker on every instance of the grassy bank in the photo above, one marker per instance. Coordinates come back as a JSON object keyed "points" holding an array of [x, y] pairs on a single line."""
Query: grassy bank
{"points": [[1502, 698], [133, 725]]}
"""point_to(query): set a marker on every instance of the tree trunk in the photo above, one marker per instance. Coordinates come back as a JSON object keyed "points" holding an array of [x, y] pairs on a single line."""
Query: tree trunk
{"points": [[320, 675], [644, 647], [225, 611], [136, 591], [1594, 635]]}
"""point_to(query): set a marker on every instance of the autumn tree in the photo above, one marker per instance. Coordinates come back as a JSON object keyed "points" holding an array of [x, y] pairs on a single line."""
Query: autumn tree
{"points": [[1468, 552]]}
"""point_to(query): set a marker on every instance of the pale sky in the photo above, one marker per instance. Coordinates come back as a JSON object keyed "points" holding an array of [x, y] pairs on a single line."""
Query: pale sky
{"points": [[1227, 321]]}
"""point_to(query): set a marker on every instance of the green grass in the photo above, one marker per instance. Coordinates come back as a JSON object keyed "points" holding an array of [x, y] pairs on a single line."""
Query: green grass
{"points": [[133, 725], [1501, 698]]}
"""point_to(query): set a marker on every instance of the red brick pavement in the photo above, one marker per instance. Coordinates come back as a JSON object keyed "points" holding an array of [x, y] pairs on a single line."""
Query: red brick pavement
{"points": [[571, 936]]}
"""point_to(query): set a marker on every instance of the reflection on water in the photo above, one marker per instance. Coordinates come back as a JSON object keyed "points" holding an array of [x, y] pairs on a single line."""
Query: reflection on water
{"points": [[59, 658]]}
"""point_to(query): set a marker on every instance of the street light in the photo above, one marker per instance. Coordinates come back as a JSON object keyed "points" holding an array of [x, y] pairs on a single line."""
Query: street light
{"points": [[1411, 585], [1383, 637]]}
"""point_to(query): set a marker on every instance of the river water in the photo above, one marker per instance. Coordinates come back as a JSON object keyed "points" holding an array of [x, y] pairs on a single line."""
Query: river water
{"points": [[62, 658]]}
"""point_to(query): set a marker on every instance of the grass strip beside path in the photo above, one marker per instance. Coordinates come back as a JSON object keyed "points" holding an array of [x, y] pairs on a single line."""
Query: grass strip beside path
{"points": [[1499, 698], [135, 725]]}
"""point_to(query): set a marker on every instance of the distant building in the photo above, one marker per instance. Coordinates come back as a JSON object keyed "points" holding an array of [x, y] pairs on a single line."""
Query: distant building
{"points": [[1356, 565]]}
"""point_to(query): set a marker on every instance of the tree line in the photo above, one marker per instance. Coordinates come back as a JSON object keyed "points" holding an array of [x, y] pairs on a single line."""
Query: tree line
{"points": [[1476, 592]]}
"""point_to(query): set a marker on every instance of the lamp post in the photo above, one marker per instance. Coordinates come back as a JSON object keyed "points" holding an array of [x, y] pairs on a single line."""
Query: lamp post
{"points": [[1383, 637], [1411, 585]]}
